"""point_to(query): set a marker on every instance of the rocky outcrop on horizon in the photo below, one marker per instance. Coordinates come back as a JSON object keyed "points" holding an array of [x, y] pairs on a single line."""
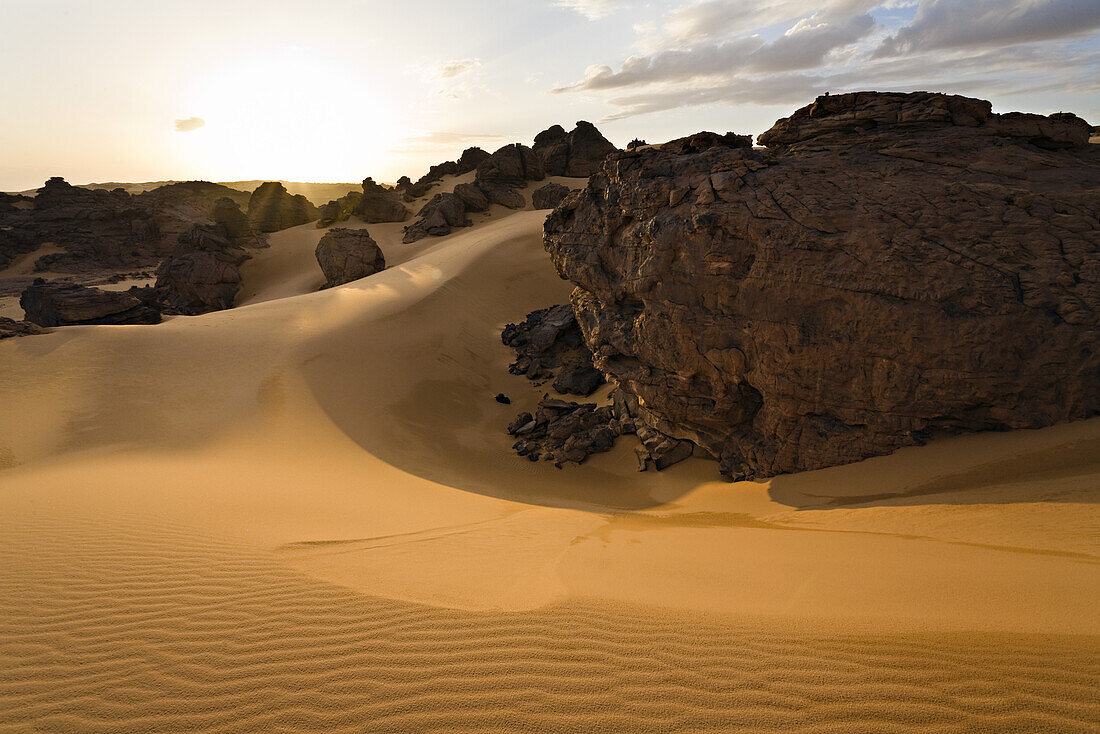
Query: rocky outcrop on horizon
{"points": [[64, 303], [348, 254], [374, 204], [271, 208], [577, 153], [890, 268]]}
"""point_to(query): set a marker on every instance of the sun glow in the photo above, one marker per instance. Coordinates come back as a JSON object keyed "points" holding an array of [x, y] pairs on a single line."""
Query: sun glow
{"points": [[289, 114]]}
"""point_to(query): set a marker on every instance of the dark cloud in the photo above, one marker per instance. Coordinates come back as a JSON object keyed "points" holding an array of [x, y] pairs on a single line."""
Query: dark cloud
{"points": [[191, 123], [944, 24]]}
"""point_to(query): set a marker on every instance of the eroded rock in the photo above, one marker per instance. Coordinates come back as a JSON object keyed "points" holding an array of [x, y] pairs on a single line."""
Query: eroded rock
{"points": [[63, 303], [272, 208], [348, 254], [549, 196], [892, 267], [576, 153]]}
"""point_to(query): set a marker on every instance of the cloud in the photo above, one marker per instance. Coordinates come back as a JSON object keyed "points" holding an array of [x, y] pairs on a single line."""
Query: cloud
{"points": [[770, 52], [805, 45], [441, 139], [451, 69], [191, 123], [943, 24], [591, 9]]}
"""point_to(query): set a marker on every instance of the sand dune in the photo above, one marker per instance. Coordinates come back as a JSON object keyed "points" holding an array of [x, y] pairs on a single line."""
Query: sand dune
{"points": [[303, 514]]}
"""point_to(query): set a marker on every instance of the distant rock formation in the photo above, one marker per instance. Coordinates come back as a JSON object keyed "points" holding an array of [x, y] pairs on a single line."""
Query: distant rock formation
{"points": [[576, 153], [62, 303], [548, 196], [338, 210], [348, 254], [271, 208], [892, 267], [379, 204]]}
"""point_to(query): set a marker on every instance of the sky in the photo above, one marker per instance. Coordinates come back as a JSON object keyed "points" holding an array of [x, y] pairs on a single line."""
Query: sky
{"points": [[337, 90]]}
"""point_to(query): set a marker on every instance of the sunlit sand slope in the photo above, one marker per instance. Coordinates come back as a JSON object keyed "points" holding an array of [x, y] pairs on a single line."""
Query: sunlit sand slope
{"points": [[303, 514]]}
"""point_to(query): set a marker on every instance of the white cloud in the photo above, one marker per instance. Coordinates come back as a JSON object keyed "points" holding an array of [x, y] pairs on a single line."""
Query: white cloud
{"points": [[191, 123], [453, 68], [591, 9]]}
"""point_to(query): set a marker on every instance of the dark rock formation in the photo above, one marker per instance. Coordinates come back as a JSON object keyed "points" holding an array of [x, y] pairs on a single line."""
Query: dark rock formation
{"points": [[272, 208], [576, 153], [63, 303], [513, 165], [562, 431], [338, 210], [233, 221], [473, 197], [348, 254], [11, 328], [203, 275], [544, 341], [578, 378], [548, 196], [892, 267], [108, 229], [503, 194], [437, 217], [379, 204], [177, 207]]}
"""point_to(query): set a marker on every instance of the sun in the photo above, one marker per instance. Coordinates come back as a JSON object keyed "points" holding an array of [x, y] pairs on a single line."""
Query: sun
{"points": [[291, 114]]}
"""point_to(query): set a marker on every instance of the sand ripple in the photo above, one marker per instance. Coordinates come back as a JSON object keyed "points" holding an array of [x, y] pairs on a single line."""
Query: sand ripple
{"points": [[109, 626]]}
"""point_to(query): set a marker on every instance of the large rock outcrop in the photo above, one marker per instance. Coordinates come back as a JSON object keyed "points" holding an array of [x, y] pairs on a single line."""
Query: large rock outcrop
{"points": [[348, 254], [63, 303], [272, 208], [576, 153], [891, 267], [203, 275], [379, 204]]}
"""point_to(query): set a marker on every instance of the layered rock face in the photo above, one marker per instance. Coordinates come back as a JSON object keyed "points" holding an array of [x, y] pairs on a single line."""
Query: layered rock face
{"points": [[61, 303], [548, 196], [272, 208], [891, 267], [576, 153], [348, 254]]}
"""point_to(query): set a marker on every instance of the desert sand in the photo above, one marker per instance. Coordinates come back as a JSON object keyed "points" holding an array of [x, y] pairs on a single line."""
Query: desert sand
{"points": [[302, 514]]}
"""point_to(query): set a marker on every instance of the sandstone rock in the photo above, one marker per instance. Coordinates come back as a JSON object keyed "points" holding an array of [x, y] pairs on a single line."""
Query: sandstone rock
{"points": [[473, 197], [62, 303], [562, 431], [548, 196], [892, 267], [338, 210], [576, 153], [203, 275], [579, 378], [437, 217], [11, 328], [348, 254], [272, 208], [379, 204], [503, 194], [544, 341], [233, 221], [513, 165]]}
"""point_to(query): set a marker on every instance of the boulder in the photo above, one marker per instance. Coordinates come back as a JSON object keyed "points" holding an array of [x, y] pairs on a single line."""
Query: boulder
{"points": [[338, 210], [513, 165], [203, 275], [379, 204], [11, 328], [348, 254], [549, 196], [272, 208], [437, 217], [473, 197], [576, 153], [503, 194], [63, 303], [891, 268], [227, 213]]}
